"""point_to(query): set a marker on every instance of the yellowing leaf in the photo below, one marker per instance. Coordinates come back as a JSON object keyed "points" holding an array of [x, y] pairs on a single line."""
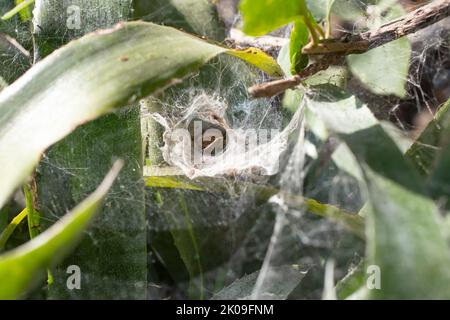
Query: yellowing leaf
{"points": [[260, 59]]}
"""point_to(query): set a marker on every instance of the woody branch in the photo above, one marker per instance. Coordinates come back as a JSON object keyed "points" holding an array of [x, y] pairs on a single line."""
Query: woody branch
{"points": [[333, 51]]}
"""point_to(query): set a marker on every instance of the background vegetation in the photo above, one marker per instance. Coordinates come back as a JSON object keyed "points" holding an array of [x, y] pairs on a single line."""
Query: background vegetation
{"points": [[363, 180]]}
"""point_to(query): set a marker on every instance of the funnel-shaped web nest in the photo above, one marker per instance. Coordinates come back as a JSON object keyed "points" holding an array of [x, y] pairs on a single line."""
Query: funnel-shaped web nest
{"points": [[210, 137]]}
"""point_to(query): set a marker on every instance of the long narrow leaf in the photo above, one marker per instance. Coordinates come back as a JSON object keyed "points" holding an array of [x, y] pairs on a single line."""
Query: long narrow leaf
{"points": [[6, 234], [20, 268], [20, 6], [85, 79], [92, 146]]}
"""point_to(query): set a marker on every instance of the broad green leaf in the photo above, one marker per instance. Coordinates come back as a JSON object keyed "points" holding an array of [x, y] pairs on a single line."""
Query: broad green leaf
{"points": [[384, 70], [20, 268], [127, 67], [194, 16], [406, 240], [263, 16], [288, 277], [424, 151], [398, 202], [299, 38], [439, 182], [345, 114], [346, 161]]}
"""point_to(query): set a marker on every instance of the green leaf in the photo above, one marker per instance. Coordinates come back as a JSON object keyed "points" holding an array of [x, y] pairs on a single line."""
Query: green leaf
{"points": [[127, 68], [439, 183], [384, 70], [284, 59], [403, 228], [25, 14], [58, 22], [299, 38], [33, 217], [171, 183], [193, 242], [288, 277], [407, 240], [113, 250], [349, 221], [194, 16], [6, 234], [188, 247], [200, 17], [424, 151], [258, 58], [20, 268], [21, 7], [263, 16], [352, 282]]}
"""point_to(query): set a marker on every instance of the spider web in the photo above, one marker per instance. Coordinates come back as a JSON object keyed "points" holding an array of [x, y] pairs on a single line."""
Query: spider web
{"points": [[203, 241], [284, 235]]}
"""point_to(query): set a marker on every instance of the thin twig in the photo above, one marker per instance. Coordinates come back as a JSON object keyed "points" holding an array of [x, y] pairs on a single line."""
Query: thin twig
{"points": [[273, 88], [334, 50], [11, 42]]}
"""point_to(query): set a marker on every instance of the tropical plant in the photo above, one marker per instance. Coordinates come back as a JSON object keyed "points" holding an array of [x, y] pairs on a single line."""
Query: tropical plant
{"points": [[337, 203]]}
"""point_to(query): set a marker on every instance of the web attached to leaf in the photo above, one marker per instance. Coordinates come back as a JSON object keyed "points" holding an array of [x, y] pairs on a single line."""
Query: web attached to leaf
{"points": [[286, 233], [237, 217]]}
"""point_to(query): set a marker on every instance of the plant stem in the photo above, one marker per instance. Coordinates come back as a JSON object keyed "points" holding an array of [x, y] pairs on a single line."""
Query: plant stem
{"points": [[17, 9], [34, 220], [33, 216]]}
